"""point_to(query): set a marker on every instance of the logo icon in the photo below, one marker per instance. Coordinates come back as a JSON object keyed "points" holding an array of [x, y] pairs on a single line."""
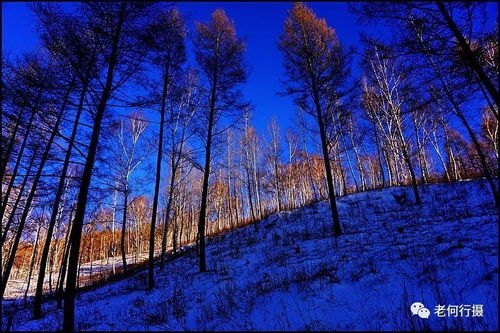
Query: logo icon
{"points": [[420, 310]]}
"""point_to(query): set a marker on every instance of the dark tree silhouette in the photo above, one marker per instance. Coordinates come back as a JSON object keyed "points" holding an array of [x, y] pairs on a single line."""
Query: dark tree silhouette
{"points": [[117, 25], [316, 66], [219, 54], [165, 39], [52, 116], [63, 37]]}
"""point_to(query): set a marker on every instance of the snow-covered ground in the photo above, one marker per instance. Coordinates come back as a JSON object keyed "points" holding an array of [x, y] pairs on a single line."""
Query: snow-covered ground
{"points": [[16, 288], [292, 274]]}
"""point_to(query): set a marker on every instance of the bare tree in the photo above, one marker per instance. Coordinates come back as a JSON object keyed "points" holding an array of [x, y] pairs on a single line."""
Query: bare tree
{"points": [[250, 148], [74, 49], [387, 108], [316, 66], [179, 123], [165, 39], [219, 54], [452, 49], [52, 120], [273, 158], [456, 33], [490, 131], [127, 156], [117, 25], [28, 85]]}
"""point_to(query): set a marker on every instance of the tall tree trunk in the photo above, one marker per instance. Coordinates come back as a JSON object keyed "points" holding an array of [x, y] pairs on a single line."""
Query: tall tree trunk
{"points": [[435, 145], [380, 154], [328, 169], [29, 200], [166, 83], [64, 264], [20, 154], [5, 201], [461, 116], [480, 152], [124, 229], [113, 245], [206, 175], [342, 174], [6, 153], [37, 309], [76, 231], [359, 164], [19, 197], [229, 183], [407, 159], [420, 153], [256, 181], [351, 169], [310, 173], [167, 215], [33, 260], [277, 183], [175, 235], [250, 199]]}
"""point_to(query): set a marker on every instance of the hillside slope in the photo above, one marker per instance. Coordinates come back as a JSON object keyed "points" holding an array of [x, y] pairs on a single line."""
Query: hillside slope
{"points": [[292, 275]]}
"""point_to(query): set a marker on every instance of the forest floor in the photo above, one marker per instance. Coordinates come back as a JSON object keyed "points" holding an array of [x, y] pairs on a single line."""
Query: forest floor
{"points": [[291, 274], [90, 273]]}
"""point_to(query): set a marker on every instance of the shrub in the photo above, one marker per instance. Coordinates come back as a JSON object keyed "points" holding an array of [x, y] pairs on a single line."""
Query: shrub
{"points": [[178, 304], [400, 198], [225, 299]]}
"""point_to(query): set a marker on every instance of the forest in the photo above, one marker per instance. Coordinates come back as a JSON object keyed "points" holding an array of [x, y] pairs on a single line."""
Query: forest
{"points": [[127, 137]]}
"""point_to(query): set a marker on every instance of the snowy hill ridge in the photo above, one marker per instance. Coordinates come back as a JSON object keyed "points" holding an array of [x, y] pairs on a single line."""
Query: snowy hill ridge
{"points": [[291, 274]]}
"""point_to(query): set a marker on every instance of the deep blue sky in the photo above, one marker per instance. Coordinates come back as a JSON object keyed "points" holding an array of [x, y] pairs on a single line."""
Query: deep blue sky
{"points": [[259, 23]]}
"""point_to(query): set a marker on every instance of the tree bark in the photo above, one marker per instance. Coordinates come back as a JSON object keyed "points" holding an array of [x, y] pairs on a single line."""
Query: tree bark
{"points": [[33, 259], [166, 83], [37, 309], [76, 231], [64, 265], [407, 159], [167, 216], [206, 175], [337, 230], [124, 229]]}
